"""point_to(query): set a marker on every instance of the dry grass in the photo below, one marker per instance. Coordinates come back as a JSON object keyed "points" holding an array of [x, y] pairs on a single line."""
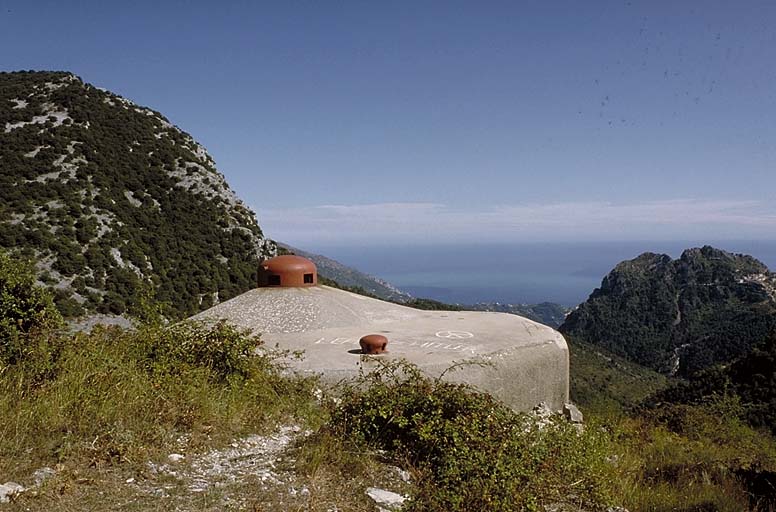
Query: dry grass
{"points": [[93, 408]]}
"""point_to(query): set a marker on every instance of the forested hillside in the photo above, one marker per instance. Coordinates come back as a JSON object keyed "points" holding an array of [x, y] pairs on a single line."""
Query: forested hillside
{"points": [[111, 199], [679, 316], [709, 317], [547, 313]]}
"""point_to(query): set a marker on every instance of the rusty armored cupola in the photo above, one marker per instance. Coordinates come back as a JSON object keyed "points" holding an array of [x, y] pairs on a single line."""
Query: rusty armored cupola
{"points": [[373, 344], [287, 270]]}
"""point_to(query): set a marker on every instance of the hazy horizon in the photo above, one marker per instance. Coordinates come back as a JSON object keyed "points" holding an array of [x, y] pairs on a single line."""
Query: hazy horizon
{"points": [[562, 272]]}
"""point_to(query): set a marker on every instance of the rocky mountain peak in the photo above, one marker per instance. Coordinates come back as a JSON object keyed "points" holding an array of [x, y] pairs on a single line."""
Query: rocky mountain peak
{"points": [[708, 257], [679, 315]]}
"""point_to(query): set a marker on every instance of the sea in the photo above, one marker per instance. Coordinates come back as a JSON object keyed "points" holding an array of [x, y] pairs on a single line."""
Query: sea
{"points": [[565, 273]]}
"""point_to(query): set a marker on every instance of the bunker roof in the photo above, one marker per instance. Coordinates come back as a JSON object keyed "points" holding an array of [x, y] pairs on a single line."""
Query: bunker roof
{"points": [[525, 362]]}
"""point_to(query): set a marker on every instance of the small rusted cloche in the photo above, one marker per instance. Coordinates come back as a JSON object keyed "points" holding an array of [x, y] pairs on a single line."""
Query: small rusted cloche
{"points": [[288, 270], [373, 344]]}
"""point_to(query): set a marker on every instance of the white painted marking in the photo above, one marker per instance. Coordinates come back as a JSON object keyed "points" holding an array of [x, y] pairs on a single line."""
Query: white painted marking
{"points": [[342, 341], [416, 344], [454, 335]]}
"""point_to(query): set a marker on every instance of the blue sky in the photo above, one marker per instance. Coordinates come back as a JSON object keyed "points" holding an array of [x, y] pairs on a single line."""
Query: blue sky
{"points": [[431, 122]]}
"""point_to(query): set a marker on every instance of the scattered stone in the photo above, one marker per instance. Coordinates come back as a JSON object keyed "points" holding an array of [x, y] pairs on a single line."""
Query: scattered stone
{"points": [[130, 480], [572, 414], [8, 490], [403, 474], [253, 456], [42, 474], [574, 506], [561, 507], [304, 491], [543, 414], [387, 501], [175, 457]]}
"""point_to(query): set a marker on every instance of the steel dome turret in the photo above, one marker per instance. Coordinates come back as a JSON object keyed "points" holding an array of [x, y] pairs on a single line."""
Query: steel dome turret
{"points": [[287, 270]]}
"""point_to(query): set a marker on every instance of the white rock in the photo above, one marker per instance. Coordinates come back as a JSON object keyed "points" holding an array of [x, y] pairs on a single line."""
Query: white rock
{"points": [[9, 489], [386, 499], [130, 480], [572, 414], [542, 414], [175, 457], [42, 474], [403, 474]]}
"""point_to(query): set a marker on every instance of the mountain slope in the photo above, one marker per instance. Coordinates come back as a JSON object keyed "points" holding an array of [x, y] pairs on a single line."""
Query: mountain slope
{"points": [[547, 313], [350, 277], [679, 316], [114, 199], [603, 382]]}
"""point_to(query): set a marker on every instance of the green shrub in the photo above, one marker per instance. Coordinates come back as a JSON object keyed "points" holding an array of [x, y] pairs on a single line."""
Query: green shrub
{"points": [[67, 306], [473, 452], [114, 396], [220, 348], [24, 308]]}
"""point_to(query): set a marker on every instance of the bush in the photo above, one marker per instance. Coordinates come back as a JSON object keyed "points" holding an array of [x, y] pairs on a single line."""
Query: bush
{"points": [[114, 395], [221, 349], [24, 308], [473, 452]]}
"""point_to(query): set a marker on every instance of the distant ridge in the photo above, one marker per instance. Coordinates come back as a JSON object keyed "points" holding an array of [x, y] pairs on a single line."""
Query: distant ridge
{"points": [[350, 277], [547, 313]]}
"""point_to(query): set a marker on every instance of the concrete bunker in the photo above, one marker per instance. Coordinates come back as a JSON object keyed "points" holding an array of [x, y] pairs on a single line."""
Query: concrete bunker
{"points": [[287, 270], [519, 361]]}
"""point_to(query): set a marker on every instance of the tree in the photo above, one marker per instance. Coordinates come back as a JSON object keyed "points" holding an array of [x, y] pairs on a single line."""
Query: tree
{"points": [[24, 308]]}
